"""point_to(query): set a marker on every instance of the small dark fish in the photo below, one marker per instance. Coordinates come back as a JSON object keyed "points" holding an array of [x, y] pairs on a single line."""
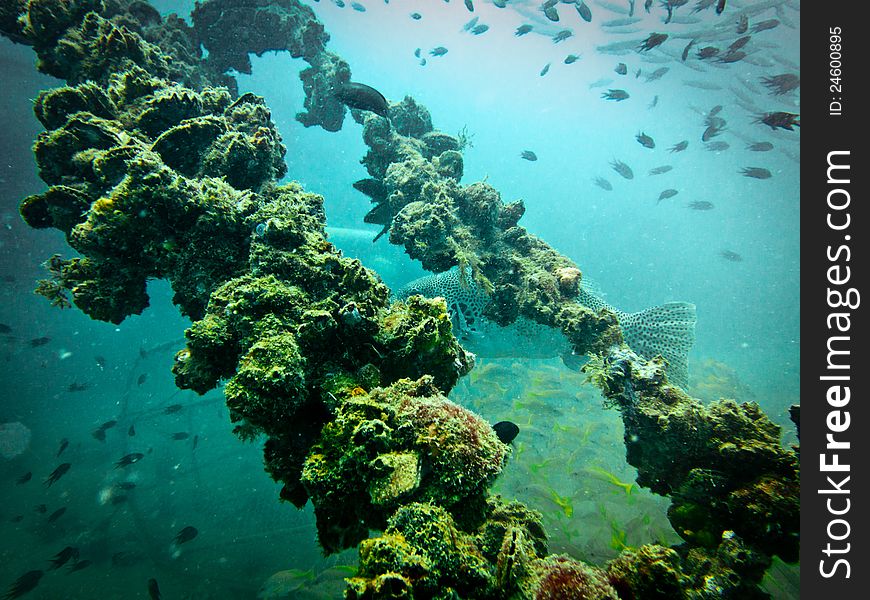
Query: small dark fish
{"points": [[500, 3], [417, 52], [41, 509], [129, 459], [468, 26], [783, 120], [654, 102], [439, 51], [618, 95], [562, 36], [5, 329], [714, 111], [77, 387], [40, 341], [529, 155], [101, 362], [571, 59], [622, 168], [709, 133], [657, 74], [760, 147], [707, 52], [141, 379], [479, 29], [645, 140], [654, 39], [551, 13], [180, 435], [153, 589], [603, 184], [717, 146], [688, 47], [339, 3], [24, 584], [669, 193], [679, 146], [630, 8], [24, 478], [522, 30], [56, 514], [172, 408], [469, 5], [416, 16], [702, 5], [764, 25], [660, 170], [64, 444], [621, 69], [756, 172], [195, 441], [739, 43], [99, 434], [647, 5], [637, 73], [506, 431], [131, 432], [185, 535], [700, 205], [545, 70], [362, 97], [59, 472], [357, 7], [63, 557], [742, 24], [720, 6], [781, 84], [731, 57], [730, 256], [583, 11], [125, 485], [16, 519], [79, 565], [422, 62]]}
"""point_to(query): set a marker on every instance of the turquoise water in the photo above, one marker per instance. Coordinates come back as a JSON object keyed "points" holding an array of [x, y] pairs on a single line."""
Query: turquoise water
{"points": [[639, 252]]}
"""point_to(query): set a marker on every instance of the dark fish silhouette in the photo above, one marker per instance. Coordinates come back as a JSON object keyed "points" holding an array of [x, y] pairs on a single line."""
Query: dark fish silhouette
{"points": [[5, 329], [720, 6], [760, 147], [645, 140], [764, 25], [77, 387], [742, 24], [603, 183], [685, 54], [479, 29], [59, 472], [180, 435], [680, 146], [621, 69], [562, 36], [101, 362], [24, 478], [362, 97], [781, 84], [416, 16], [571, 58], [522, 30], [756, 172], [172, 409], [622, 168], [100, 432], [79, 565], [618, 95], [506, 431], [717, 146], [469, 5], [129, 459], [131, 432], [700, 205], [40, 341], [545, 70], [669, 193], [529, 155], [64, 443], [41, 509], [468, 26], [660, 170], [56, 514], [439, 51], [24, 584], [731, 256], [63, 557], [141, 379], [185, 535], [654, 39], [153, 589], [357, 7], [583, 11]]}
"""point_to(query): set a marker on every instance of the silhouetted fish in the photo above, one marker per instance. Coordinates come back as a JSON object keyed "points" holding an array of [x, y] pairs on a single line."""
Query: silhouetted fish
{"points": [[756, 172], [700, 205], [760, 147], [5, 329], [141, 379], [669, 193], [56, 514], [77, 387], [172, 408], [362, 97], [506, 431], [129, 459], [660, 170], [185, 535], [153, 589], [622, 168], [645, 140], [59, 472], [64, 443], [24, 478], [79, 565], [180, 435], [131, 432], [63, 557], [24, 584], [522, 30], [40, 341], [529, 155], [680, 146], [731, 256]]}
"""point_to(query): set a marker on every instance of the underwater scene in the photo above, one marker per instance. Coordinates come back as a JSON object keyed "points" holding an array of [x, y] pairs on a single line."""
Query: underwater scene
{"points": [[400, 299]]}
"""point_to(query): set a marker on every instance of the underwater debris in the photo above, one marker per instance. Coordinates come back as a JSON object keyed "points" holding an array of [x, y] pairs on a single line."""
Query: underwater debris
{"points": [[129, 459]]}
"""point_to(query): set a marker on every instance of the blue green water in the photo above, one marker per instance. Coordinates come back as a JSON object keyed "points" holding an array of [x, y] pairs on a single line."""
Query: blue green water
{"points": [[639, 252]]}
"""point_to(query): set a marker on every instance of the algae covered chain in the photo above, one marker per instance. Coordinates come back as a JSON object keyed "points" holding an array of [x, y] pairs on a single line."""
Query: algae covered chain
{"points": [[157, 168]]}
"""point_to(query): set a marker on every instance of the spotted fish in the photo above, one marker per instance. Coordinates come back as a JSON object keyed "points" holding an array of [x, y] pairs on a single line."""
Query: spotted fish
{"points": [[668, 330]]}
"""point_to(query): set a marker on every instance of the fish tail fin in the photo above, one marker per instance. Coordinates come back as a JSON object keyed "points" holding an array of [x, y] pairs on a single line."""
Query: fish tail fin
{"points": [[668, 330]]}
